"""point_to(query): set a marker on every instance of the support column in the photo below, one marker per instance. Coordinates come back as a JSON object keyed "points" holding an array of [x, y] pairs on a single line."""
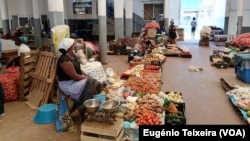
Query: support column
{"points": [[227, 13], [56, 12], [102, 23], [166, 13], [119, 24], [240, 16], [129, 17], [66, 2], [37, 23], [5, 18]]}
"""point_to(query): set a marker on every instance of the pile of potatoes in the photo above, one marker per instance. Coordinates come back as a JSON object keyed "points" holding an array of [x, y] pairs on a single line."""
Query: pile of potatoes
{"points": [[127, 111], [151, 102]]}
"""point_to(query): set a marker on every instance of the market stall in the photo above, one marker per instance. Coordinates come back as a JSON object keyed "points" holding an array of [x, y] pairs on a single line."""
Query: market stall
{"points": [[240, 98], [141, 101]]}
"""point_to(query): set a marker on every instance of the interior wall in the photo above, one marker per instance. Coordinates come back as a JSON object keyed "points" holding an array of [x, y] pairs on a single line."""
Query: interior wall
{"points": [[138, 8], [21, 8]]}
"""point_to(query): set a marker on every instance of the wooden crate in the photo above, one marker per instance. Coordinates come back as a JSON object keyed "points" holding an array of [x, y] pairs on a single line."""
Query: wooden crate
{"points": [[43, 79], [28, 62], [8, 56], [204, 43], [95, 131]]}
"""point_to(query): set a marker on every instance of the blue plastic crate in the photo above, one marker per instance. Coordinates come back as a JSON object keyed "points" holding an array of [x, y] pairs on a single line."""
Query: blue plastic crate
{"points": [[101, 97], [243, 74]]}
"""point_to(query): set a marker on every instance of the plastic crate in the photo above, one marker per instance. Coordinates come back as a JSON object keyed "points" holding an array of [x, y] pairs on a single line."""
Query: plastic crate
{"points": [[101, 97], [243, 74], [176, 120], [221, 65], [178, 104]]}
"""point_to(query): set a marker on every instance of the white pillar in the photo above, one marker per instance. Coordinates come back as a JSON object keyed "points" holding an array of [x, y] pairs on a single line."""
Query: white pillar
{"points": [[56, 12], [119, 25], [129, 17], [240, 11], [4, 9], [102, 24], [5, 18], [166, 13], [227, 16], [37, 23]]}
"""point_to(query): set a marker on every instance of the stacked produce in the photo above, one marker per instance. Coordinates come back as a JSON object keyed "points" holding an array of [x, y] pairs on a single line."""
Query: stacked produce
{"points": [[151, 69], [240, 97], [149, 111], [149, 58], [241, 40], [135, 71], [174, 107], [146, 84]]}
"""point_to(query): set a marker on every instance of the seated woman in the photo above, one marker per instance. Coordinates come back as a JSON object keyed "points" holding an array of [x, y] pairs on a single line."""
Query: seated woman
{"points": [[72, 81]]}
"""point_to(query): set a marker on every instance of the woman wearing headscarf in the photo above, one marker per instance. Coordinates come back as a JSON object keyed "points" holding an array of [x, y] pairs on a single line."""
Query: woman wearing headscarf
{"points": [[72, 81]]}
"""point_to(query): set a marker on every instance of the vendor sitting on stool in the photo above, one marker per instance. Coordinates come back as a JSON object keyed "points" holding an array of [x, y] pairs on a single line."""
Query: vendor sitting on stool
{"points": [[72, 81]]}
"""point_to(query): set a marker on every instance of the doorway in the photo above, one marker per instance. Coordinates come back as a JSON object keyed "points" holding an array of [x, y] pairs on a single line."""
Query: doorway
{"points": [[206, 12]]}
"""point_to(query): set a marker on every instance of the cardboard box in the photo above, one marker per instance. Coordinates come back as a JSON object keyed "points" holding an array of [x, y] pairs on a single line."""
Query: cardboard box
{"points": [[151, 32]]}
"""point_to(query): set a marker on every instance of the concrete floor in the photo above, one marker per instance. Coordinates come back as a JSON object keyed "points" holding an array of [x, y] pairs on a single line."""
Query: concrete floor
{"points": [[205, 99]]}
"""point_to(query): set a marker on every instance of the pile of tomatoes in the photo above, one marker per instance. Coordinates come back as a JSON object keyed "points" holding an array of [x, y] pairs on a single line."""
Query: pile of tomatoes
{"points": [[148, 119]]}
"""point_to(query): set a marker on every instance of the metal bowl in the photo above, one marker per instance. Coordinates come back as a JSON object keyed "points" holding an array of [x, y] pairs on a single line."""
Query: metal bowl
{"points": [[110, 106], [92, 105]]}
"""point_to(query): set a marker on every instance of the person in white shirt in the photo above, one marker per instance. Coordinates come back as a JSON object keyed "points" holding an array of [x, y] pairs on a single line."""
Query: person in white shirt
{"points": [[193, 27]]}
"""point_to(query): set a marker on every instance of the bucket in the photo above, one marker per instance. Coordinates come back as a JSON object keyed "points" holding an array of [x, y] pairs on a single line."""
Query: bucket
{"points": [[45, 114]]}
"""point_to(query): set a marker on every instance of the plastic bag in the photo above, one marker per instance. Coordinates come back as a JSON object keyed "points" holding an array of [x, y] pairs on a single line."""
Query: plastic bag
{"points": [[63, 119]]}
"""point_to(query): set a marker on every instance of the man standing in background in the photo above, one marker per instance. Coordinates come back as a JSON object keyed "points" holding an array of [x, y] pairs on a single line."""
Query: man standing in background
{"points": [[193, 27]]}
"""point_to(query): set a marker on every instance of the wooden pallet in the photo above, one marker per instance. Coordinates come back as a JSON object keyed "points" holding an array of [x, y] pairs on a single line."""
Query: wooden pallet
{"points": [[43, 78], [225, 85], [95, 131], [28, 62]]}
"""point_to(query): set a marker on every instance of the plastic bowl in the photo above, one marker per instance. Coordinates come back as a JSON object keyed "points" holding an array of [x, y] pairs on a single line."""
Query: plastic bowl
{"points": [[45, 114]]}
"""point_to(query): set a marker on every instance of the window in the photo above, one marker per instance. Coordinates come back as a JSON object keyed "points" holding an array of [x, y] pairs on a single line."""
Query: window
{"points": [[83, 7], [152, 11]]}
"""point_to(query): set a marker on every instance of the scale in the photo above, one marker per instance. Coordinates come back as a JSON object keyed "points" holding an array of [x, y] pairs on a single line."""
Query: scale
{"points": [[105, 114], [101, 116]]}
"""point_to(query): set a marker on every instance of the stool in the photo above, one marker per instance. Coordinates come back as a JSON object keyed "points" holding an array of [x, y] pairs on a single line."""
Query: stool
{"points": [[45, 114], [96, 131]]}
